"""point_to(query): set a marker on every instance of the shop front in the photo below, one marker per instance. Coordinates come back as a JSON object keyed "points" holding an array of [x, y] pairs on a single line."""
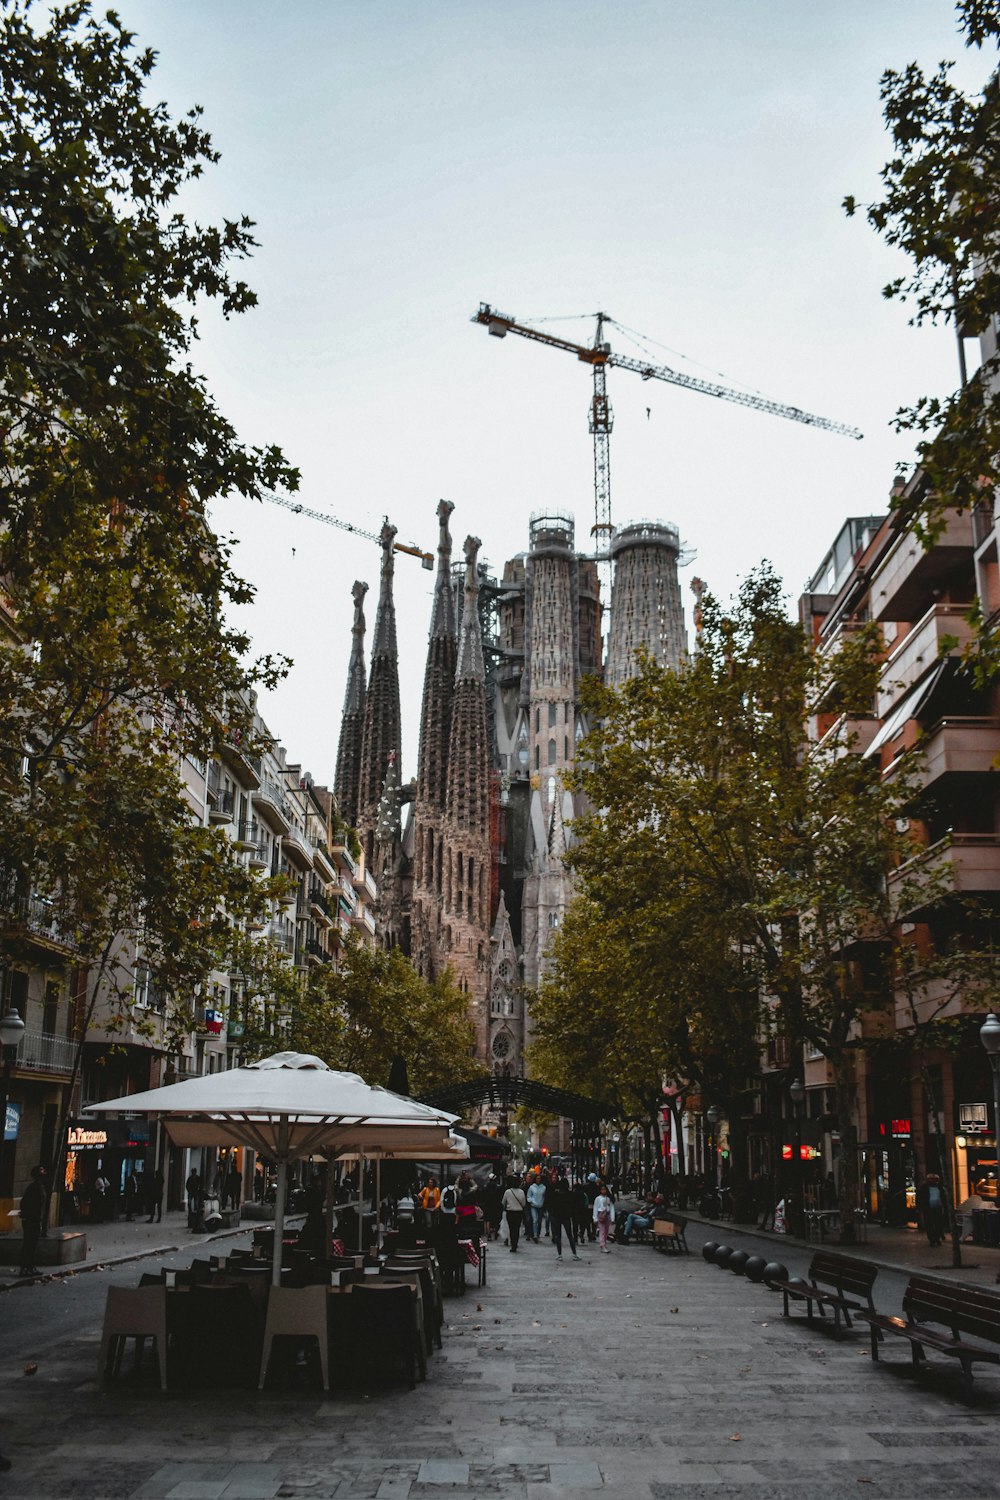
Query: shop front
{"points": [[889, 1172], [99, 1159], [976, 1151]]}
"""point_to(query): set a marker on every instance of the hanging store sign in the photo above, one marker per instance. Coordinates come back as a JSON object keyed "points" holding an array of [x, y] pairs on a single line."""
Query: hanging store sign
{"points": [[12, 1123], [973, 1119]]}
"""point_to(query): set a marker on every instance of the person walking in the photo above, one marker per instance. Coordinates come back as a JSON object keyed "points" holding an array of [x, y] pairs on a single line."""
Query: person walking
{"points": [[131, 1197], [930, 1201], [233, 1184], [34, 1217], [429, 1199], [561, 1215], [154, 1196], [536, 1204], [604, 1216], [515, 1206]]}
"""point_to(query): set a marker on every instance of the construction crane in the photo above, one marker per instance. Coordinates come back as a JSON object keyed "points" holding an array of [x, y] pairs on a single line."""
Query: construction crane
{"points": [[600, 356], [426, 558]]}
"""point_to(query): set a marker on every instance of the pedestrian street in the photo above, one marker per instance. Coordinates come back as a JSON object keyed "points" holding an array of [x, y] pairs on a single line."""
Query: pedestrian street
{"points": [[649, 1375]]}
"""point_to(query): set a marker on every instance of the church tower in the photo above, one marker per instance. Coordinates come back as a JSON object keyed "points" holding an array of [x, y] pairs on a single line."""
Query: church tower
{"points": [[348, 774], [432, 770], [465, 900], [645, 599], [381, 740]]}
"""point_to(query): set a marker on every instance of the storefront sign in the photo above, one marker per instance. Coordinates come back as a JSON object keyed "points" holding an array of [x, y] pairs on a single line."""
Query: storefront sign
{"points": [[81, 1138], [899, 1130], [12, 1124], [972, 1119], [85, 1135]]}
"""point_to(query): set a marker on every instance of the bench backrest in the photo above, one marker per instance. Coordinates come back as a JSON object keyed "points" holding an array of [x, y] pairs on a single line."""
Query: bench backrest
{"points": [[963, 1309], [667, 1228], [849, 1275]]}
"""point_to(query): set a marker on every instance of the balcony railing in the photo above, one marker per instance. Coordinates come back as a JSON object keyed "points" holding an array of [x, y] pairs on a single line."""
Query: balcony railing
{"points": [[39, 1052], [222, 809], [982, 521], [298, 849], [40, 919]]}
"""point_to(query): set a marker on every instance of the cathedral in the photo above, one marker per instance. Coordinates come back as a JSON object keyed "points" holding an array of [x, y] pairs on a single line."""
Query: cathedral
{"points": [[469, 855]]}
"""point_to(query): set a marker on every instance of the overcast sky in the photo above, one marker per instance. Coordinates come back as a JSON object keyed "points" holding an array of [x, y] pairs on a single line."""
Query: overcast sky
{"points": [[679, 164]]}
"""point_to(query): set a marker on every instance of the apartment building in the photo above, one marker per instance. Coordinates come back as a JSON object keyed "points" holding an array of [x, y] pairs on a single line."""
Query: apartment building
{"points": [[923, 1106]]}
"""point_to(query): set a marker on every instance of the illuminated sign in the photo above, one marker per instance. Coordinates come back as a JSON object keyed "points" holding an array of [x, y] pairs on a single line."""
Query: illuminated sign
{"points": [[80, 1139], [12, 1123], [898, 1129], [972, 1119]]}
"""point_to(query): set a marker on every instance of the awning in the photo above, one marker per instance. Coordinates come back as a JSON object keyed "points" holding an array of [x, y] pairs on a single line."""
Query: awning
{"points": [[483, 1147], [908, 708]]}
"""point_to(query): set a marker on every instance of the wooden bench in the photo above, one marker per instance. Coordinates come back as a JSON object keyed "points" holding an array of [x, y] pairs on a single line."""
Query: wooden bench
{"points": [[962, 1310], [835, 1281], [669, 1234]]}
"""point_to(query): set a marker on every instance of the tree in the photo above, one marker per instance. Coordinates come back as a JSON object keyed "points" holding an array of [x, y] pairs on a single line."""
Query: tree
{"points": [[117, 664], [373, 1010], [940, 205], [741, 861]]}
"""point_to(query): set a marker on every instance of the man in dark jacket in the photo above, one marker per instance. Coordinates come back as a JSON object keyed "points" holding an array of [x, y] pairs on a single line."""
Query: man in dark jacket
{"points": [[34, 1218]]}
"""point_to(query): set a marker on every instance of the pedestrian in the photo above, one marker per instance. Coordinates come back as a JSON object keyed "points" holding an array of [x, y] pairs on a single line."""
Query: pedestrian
{"points": [[154, 1196], [34, 1219], [193, 1186], [581, 1211], [536, 1205], [515, 1206], [604, 1216], [930, 1201], [131, 1196], [561, 1215], [489, 1202], [99, 1206], [592, 1188], [234, 1184], [429, 1199]]}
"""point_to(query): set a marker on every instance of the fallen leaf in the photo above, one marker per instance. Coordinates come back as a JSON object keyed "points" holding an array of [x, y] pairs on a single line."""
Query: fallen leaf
{"points": [[736, 1437], [675, 1309], [479, 1307], [571, 1294], [535, 1323], [31, 1369]]}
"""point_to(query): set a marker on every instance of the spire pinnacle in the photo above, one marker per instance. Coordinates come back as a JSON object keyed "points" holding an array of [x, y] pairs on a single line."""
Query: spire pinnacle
{"points": [[470, 637], [443, 613], [384, 642], [354, 697]]}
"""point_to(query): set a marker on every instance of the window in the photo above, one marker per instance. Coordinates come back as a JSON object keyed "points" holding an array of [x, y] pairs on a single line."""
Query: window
{"points": [[552, 752], [537, 757], [552, 788], [552, 715]]}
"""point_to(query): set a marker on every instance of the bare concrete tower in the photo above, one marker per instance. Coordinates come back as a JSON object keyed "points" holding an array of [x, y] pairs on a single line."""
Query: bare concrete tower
{"points": [[645, 599], [348, 776]]}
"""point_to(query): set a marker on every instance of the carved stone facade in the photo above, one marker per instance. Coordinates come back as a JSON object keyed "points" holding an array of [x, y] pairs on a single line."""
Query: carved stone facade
{"points": [[347, 783], [471, 857]]}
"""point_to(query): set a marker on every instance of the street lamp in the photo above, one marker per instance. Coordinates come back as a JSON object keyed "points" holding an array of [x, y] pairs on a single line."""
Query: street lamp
{"points": [[11, 1031], [989, 1035], [712, 1119], [797, 1094]]}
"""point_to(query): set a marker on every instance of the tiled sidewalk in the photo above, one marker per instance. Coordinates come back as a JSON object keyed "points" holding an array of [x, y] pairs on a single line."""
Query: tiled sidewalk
{"points": [[651, 1375]]}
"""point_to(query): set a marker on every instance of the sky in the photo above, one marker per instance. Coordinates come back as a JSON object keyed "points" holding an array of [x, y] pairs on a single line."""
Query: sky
{"points": [[677, 164]]}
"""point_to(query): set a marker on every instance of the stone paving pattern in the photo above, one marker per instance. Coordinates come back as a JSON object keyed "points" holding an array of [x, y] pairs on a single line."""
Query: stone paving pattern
{"points": [[650, 1375]]}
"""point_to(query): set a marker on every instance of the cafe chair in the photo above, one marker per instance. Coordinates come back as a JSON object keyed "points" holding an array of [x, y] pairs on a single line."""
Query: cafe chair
{"points": [[136, 1313], [384, 1324], [299, 1313]]}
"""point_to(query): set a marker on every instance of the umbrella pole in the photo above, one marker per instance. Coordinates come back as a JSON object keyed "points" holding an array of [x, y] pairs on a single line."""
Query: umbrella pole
{"points": [[361, 1201], [378, 1205], [279, 1221]]}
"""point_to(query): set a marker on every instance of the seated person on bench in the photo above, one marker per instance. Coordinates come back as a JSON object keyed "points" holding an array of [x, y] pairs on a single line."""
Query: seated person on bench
{"points": [[644, 1218]]}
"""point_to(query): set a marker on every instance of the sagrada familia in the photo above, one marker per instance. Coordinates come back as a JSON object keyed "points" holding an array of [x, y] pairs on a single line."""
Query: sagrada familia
{"points": [[469, 856]]}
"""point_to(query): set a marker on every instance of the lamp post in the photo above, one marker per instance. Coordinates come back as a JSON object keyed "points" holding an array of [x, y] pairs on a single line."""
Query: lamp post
{"points": [[989, 1035], [11, 1031], [797, 1094], [712, 1119]]}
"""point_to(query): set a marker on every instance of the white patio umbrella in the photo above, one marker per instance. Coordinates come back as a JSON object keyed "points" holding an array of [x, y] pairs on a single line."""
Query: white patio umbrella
{"points": [[286, 1107], [455, 1148]]}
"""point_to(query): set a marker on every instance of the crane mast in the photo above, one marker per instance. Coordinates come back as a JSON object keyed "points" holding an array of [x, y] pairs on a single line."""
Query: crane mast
{"points": [[600, 356]]}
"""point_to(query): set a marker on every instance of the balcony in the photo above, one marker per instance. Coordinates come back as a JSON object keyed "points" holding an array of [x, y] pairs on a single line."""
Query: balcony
{"points": [[903, 586], [258, 857], [364, 882], [364, 919], [970, 863], [36, 918], [317, 952], [222, 808], [982, 521], [282, 939], [244, 765], [297, 849], [943, 631], [271, 804], [956, 747], [40, 1052], [323, 861], [343, 856]]}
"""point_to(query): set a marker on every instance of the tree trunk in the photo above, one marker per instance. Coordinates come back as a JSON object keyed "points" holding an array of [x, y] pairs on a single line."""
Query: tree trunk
{"points": [[850, 1174]]}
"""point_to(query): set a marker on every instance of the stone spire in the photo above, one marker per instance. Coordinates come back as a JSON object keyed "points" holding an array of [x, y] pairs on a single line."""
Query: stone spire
{"points": [[468, 798], [439, 677], [348, 772], [382, 735]]}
